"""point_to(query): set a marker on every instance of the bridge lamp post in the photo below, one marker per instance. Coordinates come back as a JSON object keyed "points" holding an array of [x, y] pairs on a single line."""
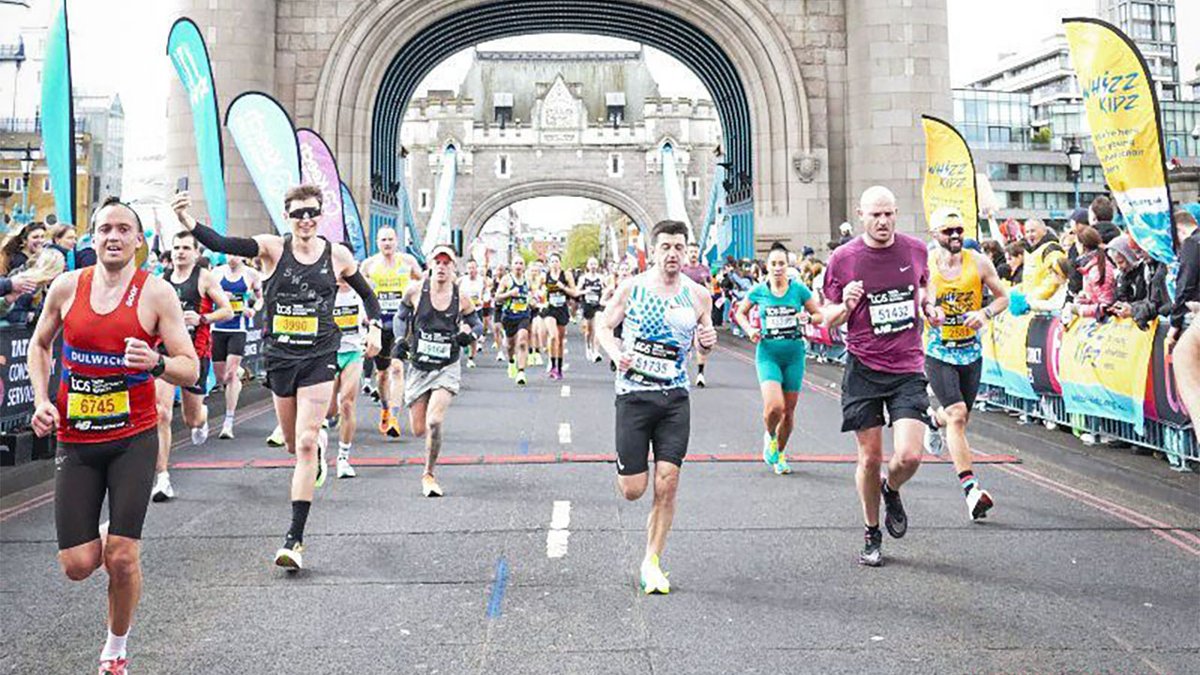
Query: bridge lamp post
{"points": [[1075, 165], [26, 169]]}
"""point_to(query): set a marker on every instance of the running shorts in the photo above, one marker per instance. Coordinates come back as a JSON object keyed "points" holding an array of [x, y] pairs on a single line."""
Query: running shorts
{"points": [[387, 340], [347, 359], [590, 311], [226, 344], [867, 393], [85, 472], [512, 326], [781, 361], [201, 386], [560, 315], [646, 419], [285, 378], [418, 382], [952, 383]]}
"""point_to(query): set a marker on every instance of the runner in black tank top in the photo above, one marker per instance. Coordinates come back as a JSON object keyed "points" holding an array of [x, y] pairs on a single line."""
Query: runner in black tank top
{"points": [[301, 337], [559, 286]]}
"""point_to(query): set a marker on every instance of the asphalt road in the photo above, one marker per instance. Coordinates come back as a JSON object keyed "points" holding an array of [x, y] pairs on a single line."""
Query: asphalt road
{"points": [[1077, 569]]}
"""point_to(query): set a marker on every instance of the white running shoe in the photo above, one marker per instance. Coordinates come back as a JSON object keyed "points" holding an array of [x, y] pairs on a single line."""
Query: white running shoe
{"points": [[275, 440], [226, 431], [344, 469], [700, 380], [654, 580], [200, 434], [470, 363], [979, 502], [162, 491]]}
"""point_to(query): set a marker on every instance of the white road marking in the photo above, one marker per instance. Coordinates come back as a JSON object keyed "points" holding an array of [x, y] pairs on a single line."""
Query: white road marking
{"points": [[558, 535], [564, 433], [566, 391]]}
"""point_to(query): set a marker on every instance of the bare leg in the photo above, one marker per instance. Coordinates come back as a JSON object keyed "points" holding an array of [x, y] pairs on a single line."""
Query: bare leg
{"points": [[783, 432], [866, 476], [165, 397], [954, 419], [195, 413], [907, 437], [233, 384], [310, 406], [1186, 358], [773, 406], [122, 559], [435, 416], [662, 514], [346, 399]]}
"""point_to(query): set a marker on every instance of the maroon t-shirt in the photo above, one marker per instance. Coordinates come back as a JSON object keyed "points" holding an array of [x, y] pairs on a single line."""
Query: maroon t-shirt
{"points": [[884, 330], [698, 273]]}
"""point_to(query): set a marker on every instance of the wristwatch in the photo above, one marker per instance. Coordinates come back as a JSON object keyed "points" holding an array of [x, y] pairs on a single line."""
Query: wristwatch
{"points": [[375, 323], [160, 367], [203, 319]]}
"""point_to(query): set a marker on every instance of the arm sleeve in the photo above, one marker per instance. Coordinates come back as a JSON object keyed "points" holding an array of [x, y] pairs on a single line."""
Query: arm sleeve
{"points": [[400, 321], [370, 302], [239, 246], [474, 322]]}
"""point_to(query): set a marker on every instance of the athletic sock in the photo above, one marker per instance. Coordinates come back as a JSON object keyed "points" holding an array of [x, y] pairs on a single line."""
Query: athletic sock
{"points": [[229, 419], [114, 647], [872, 530], [299, 519], [967, 479], [343, 450]]}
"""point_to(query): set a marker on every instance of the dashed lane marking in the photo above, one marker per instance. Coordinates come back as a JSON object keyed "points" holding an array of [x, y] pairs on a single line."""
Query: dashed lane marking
{"points": [[558, 535]]}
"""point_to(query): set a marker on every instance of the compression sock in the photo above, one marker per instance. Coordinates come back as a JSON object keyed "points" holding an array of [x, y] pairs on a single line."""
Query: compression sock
{"points": [[967, 479], [299, 519]]}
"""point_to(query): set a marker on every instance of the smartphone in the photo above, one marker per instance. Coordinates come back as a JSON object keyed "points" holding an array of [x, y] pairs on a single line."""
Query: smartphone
{"points": [[181, 185]]}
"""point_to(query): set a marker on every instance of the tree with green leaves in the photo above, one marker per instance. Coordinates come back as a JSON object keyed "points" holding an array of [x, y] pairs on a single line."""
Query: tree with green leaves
{"points": [[583, 242]]}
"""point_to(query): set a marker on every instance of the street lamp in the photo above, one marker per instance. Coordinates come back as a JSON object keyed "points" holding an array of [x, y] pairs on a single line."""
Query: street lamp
{"points": [[26, 169], [1075, 166]]}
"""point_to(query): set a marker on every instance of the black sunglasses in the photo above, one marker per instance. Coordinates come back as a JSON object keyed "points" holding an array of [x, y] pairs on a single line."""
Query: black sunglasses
{"points": [[305, 213], [949, 231]]}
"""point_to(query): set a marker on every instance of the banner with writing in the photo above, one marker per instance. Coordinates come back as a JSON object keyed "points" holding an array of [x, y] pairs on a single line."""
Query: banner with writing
{"points": [[949, 174], [1122, 112], [354, 226], [1042, 345], [318, 168], [58, 116], [1163, 402], [1004, 357], [1103, 368], [189, 54], [266, 140]]}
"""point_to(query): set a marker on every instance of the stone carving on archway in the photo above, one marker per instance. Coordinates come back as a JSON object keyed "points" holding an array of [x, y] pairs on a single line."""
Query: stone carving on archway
{"points": [[806, 165]]}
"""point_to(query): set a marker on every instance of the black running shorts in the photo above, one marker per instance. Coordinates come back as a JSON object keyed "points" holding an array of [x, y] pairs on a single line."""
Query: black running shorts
{"points": [[225, 345], [866, 393], [512, 326], [590, 311], [953, 383], [387, 340], [658, 419], [561, 315], [86, 472], [285, 378]]}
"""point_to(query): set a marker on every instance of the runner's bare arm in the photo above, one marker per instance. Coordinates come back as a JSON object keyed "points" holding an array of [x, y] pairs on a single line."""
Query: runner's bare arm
{"points": [[414, 268], [571, 289], [614, 314], [209, 286], [742, 316], [706, 335], [991, 280], [45, 414], [182, 364]]}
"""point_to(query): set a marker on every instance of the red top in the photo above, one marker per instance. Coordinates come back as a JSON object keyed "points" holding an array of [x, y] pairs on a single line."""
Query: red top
{"points": [[202, 339], [99, 398]]}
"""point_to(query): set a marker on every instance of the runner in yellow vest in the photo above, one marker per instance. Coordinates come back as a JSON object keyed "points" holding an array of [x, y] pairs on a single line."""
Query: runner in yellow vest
{"points": [[389, 271]]}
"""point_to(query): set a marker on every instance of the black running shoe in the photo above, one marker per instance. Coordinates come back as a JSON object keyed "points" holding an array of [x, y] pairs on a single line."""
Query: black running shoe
{"points": [[894, 519], [872, 553]]}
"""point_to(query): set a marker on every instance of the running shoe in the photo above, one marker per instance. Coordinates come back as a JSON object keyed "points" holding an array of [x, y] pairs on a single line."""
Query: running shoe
{"points": [[512, 369], [117, 666], [894, 518], [872, 553], [521, 378], [325, 423], [597, 358], [470, 363], [393, 430], [654, 580], [322, 465], [200, 434], [344, 469], [535, 358], [275, 440], [782, 468], [226, 432], [374, 395], [499, 356], [935, 444], [366, 388], [979, 502], [700, 381], [384, 416], [770, 449], [162, 491], [430, 487], [290, 556]]}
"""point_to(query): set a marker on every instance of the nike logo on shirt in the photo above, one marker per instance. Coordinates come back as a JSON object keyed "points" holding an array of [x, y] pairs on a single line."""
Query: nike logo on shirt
{"points": [[905, 269]]}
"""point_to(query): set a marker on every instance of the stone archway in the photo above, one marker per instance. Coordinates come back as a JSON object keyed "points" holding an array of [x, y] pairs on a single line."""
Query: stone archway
{"points": [[487, 208]]}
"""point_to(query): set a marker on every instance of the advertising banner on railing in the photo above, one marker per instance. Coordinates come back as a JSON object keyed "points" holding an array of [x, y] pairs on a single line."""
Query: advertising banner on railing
{"points": [[1103, 367], [189, 54], [1122, 113], [1162, 395], [58, 117], [318, 167], [1042, 347], [949, 174], [266, 139], [1004, 358]]}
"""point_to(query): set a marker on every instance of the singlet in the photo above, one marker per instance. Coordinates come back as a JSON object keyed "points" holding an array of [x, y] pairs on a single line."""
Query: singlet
{"points": [[475, 289], [779, 316], [434, 331], [238, 292], [99, 398], [659, 332], [389, 284], [517, 307], [190, 300], [347, 314], [299, 303], [592, 286], [954, 342], [556, 294]]}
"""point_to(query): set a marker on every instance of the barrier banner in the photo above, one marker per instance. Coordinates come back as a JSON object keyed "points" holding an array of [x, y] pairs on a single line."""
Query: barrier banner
{"points": [[1103, 368], [1041, 353], [354, 226], [949, 174], [1121, 102], [16, 391], [318, 167], [58, 116], [189, 54], [1162, 397], [1004, 357], [266, 139]]}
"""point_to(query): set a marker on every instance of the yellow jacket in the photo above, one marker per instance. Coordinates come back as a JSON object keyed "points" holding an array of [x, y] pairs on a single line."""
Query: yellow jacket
{"points": [[1041, 278]]}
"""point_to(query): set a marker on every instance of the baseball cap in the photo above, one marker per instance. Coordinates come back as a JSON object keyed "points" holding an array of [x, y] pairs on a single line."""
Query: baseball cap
{"points": [[945, 217], [443, 249]]}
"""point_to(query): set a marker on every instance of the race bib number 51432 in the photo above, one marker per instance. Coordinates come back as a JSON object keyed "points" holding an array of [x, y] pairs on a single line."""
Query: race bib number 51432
{"points": [[892, 310]]}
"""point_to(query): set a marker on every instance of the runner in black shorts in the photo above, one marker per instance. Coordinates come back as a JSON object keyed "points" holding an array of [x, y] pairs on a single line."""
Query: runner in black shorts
{"points": [[244, 288], [301, 270], [665, 314], [513, 294], [591, 283], [105, 411], [875, 284], [560, 285]]}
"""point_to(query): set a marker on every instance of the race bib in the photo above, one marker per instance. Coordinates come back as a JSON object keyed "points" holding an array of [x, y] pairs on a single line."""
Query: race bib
{"points": [[519, 305], [97, 404], [346, 318], [892, 310], [433, 349], [238, 305], [654, 362], [558, 300], [780, 323], [389, 301], [294, 320], [592, 298]]}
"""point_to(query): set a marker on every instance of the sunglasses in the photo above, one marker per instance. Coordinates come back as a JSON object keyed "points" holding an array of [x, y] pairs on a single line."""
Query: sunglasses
{"points": [[951, 231], [305, 213]]}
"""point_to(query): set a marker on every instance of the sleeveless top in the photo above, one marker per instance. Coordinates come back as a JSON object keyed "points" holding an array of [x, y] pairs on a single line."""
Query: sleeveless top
{"points": [[389, 284], [659, 332], [593, 289], [299, 303], [475, 290], [517, 307], [190, 300], [556, 295], [434, 331], [99, 398], [238, 292], [953, 342], [347, 314]]}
